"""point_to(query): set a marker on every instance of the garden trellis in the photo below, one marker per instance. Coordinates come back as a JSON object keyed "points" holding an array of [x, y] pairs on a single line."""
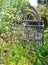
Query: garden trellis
{"points": [[33, 29]]}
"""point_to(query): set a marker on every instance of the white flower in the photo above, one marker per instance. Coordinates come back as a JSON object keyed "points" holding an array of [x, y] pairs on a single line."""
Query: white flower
{"points": [[24, 24]]}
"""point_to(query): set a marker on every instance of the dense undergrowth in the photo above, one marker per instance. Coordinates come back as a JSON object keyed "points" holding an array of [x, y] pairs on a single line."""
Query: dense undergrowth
{"points": [[17, 52]]}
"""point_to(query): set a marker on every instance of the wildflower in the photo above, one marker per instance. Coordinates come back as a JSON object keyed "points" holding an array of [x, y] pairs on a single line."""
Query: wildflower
{"points": [[9, 42], [16, 40], [7, 54], [14, 28], [1, 43]]}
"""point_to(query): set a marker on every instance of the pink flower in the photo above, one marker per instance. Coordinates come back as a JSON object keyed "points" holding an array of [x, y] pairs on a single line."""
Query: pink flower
{"points": [[1, 43], [7, 54], [16, 40], [14, 28], [9, 42]]}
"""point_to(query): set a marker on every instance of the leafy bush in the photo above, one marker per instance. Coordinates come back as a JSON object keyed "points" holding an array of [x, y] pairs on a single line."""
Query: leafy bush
{"points": [[18, 53]]}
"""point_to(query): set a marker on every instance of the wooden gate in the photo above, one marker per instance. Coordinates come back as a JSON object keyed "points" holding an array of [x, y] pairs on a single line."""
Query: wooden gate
{"points": [[31, 24]]}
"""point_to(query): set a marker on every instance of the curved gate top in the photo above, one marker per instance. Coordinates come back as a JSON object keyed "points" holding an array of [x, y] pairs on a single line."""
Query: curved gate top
{"points": [[33, 29]]}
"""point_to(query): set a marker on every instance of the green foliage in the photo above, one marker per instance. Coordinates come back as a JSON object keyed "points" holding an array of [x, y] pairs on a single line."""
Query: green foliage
{"points": [[24, 54], [9, 10], [46, 34], [43, 12], [39, 1]]}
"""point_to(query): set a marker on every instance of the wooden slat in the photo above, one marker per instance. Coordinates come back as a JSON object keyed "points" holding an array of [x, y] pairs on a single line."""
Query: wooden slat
{"points": [[31, 21], [34, 39], [34, 26]]}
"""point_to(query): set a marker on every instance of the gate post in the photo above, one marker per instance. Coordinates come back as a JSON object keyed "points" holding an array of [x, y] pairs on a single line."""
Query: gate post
{"points": [[43, 34]]}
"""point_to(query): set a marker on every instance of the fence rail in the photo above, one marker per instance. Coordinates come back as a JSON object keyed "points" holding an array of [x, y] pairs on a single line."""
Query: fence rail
{"points": [[31, 21]]}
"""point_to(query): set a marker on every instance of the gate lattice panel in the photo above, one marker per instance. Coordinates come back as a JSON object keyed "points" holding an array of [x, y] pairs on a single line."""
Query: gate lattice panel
{"points": [[32, 29]]}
